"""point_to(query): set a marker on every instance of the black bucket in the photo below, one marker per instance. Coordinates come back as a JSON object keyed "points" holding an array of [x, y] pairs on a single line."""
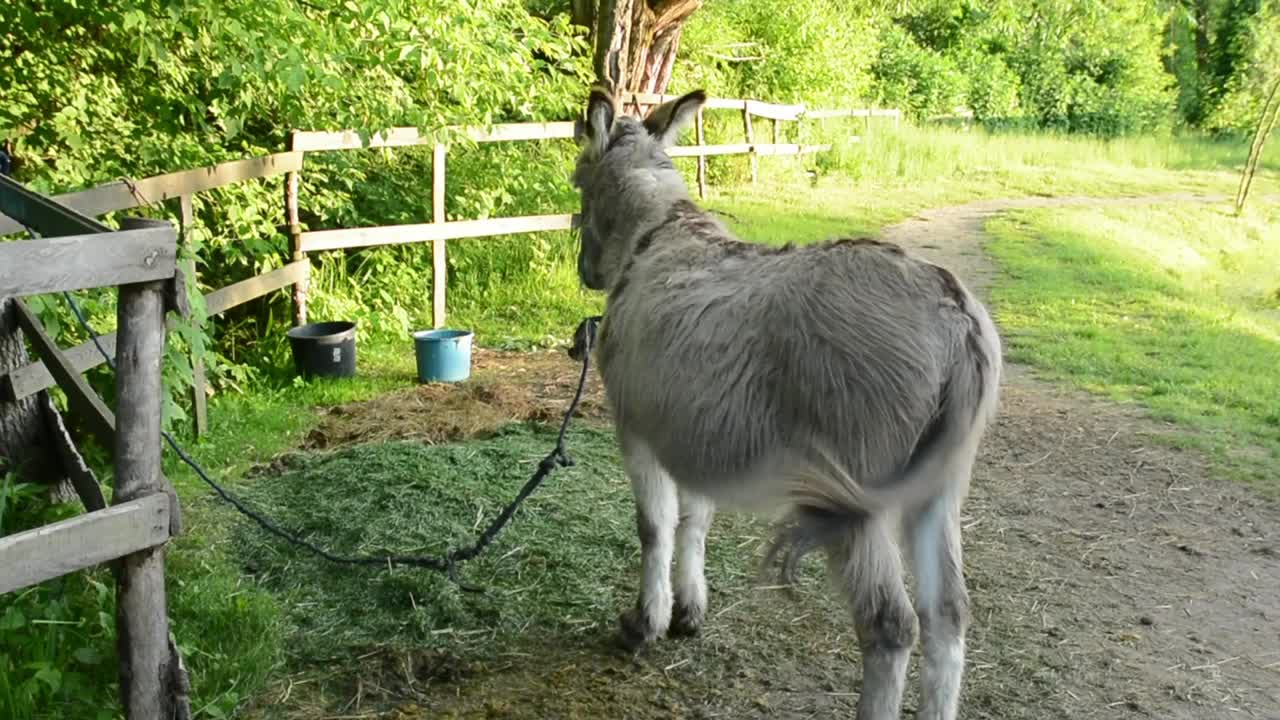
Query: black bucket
{"points": [[326, 349]]}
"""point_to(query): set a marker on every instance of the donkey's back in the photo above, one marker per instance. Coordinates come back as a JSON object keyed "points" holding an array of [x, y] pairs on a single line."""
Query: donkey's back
{"points": [[730, 360]]}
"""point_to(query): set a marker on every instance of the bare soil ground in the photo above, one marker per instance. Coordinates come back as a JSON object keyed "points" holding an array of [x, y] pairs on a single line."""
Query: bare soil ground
{"points": [[1112, 576]]}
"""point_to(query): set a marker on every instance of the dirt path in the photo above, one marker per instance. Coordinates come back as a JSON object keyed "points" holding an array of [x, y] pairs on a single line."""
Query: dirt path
{"points": [[1116, 576], [1111, 576]]}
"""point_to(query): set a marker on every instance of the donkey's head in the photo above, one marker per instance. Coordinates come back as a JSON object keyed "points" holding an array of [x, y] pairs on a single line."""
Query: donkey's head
{"points": [[627, 181]]}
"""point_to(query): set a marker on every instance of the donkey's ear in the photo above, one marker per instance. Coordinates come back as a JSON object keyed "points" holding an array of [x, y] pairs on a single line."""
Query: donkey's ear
{"points": [[668, 119], [601, 111]]}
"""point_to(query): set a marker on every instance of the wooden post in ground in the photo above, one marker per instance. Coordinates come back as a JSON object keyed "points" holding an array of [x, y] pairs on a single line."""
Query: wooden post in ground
{"points": [[152, 682], [295, 232], [439, 268], [199, 383], [702, 159], [751, 139]]}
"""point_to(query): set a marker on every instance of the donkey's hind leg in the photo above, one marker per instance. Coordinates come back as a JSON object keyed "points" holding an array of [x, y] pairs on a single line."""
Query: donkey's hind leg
{"points": [[656, 516], [696, 513], [942, 605], [866, 565]]}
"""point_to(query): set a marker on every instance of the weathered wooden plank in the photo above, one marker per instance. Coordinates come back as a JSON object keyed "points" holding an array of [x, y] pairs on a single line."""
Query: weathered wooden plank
{"points": [[75, 262], [750, 134], [28, 208], [852, 112], [81, 397], [121, 195], [790, 149], [294, 228], [73, 464], [223, 299], [430, 232], [147, 667], [772, 111], [315, 140], [29, 379], [83, 541], [439, 266], [199, 396], [708, 150], [522, 131], [700, 134]]}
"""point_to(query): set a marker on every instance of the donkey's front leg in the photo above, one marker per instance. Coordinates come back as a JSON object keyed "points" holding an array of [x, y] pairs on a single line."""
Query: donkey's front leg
{"points": [[656, 517]]}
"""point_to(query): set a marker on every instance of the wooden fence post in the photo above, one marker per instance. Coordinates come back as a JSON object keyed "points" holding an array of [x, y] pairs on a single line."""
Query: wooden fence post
{"points": [[702, 159], [751, 140], [439, 268], [152, 682], [295, 232], [199, 397]]}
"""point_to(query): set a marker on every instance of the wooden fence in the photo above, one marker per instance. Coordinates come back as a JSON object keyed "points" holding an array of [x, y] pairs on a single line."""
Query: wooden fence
{"points": [[76, 253], [440, 230]]}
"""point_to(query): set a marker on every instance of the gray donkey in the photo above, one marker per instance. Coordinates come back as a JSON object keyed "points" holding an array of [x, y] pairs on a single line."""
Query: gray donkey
{"points": [[845, 384]]}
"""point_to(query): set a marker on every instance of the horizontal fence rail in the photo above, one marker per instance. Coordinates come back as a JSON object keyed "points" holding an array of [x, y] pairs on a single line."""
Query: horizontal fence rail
{"points": [[440, 230]]}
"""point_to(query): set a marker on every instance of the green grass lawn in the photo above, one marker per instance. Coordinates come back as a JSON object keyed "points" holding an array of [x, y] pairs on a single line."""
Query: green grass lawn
{"points": [[1177, 308]]}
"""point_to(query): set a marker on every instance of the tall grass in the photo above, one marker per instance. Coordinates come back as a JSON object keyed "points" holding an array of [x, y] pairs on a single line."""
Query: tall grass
{"points": [[930, 152]]}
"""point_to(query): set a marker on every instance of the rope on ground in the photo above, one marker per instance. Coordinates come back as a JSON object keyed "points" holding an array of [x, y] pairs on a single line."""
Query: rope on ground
{"points": [[447, 563]]}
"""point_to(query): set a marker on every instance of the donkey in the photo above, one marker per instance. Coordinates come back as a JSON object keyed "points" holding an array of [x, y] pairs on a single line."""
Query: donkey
{"points": [[846, 385]]}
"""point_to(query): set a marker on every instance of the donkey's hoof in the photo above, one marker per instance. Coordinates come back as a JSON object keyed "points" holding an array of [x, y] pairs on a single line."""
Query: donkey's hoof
{"points": [[686, 621], [635, 631]]}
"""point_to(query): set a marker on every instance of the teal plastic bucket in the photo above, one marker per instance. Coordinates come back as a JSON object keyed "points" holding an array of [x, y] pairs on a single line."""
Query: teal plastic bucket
{"points": [[443, 355]]}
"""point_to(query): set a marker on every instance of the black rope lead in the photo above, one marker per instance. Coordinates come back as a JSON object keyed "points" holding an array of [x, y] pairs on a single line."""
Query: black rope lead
{"points": [[447, 563]]}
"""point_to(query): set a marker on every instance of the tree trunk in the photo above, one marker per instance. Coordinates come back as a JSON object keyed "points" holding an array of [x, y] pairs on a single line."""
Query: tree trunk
{"points": [[24, 441], [635, 41]]}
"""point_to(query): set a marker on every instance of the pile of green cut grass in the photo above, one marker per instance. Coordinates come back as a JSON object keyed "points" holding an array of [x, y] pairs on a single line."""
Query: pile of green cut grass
{"points": [[1177, 308], [565, 565]]}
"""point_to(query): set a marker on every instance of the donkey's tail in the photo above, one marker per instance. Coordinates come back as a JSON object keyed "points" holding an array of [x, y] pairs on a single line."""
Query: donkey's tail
{"points": [[827, 501]]}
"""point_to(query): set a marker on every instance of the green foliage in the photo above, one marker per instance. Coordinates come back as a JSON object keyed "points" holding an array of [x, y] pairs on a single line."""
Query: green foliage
{"points": [[814, 51], [1254, 68], [56, 638]]}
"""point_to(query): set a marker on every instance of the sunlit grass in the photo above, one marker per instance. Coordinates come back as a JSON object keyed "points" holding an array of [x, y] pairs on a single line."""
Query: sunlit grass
{"points": [[1177, 308]]}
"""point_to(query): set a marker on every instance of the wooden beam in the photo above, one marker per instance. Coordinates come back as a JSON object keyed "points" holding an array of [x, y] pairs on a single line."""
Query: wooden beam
{"points": [[199, 382], [33, 378], [30, 379], [439, 266], [315, 140], [293, 224], [774, 112], [708, 150], [83, 541], [73, 464], [790, 149], [700, 134], [223, 299], [80, 396], [122, 195], [76, 262], [149, 678], [430, 232], [750, 134], [47, 217]]}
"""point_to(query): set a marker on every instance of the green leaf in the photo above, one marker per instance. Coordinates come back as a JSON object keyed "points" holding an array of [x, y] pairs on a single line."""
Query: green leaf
{"points": [[88, 656]]}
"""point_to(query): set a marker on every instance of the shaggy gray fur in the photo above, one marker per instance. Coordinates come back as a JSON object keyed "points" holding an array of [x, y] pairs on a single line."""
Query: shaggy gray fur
{"points": [[846, 384]]}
